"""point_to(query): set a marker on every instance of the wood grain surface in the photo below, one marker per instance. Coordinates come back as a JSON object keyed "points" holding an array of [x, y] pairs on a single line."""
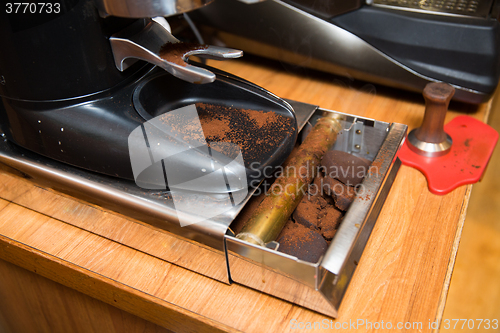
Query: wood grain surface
{"points": [[402, 277], [474, 289], [29, 300]]}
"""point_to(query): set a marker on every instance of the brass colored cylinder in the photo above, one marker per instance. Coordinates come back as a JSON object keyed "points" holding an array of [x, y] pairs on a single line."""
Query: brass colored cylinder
{"points": [[287, 191]]}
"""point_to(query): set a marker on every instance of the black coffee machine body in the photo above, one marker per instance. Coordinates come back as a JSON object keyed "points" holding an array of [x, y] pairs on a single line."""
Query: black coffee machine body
{"points": [[399, 43], [56, 70]]}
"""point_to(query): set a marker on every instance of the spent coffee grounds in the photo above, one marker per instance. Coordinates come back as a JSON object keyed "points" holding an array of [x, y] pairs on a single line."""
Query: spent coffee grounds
{"points": [[256, 133]]}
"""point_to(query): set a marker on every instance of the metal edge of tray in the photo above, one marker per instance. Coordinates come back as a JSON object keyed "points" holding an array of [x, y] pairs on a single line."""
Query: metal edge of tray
{"points": [[343, 255], [301, 282], [294, 280]]}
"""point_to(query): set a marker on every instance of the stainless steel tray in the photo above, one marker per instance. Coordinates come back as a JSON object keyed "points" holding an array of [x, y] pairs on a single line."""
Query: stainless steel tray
{"points": [[209, 247], [321, 286]]}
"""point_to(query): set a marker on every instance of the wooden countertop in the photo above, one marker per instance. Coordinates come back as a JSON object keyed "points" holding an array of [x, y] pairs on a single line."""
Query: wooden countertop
{"points": [[403, 275]]}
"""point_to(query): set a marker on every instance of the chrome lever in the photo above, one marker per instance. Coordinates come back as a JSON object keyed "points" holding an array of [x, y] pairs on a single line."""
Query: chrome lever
{"points": [[155, 44]]}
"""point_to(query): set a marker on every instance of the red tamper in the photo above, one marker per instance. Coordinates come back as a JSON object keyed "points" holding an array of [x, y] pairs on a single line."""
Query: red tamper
{"points": [[450, 155]]}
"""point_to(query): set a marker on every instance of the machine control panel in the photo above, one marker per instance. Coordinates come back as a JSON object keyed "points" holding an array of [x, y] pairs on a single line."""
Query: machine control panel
{"points": [[476, 8]]}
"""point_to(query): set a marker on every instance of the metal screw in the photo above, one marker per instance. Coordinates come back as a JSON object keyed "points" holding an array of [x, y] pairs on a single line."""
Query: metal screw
{"points": [[357, 146], [358, 131], [2, 80]]}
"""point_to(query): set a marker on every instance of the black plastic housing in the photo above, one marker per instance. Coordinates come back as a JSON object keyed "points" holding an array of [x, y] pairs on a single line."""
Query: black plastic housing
{"points": [[463, 51], [92, 132], [53, 56], [397, 48]]}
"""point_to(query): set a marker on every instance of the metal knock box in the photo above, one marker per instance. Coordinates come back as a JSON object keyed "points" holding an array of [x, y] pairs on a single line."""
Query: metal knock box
{"points": [[210, 247]]}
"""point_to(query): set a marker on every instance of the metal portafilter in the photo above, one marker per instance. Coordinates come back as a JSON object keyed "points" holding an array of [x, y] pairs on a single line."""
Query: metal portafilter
{"points": [[287, 191]]}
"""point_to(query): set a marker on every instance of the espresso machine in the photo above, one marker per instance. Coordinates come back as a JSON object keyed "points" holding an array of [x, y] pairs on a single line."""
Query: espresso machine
{"points": [[86, 89], [399, 43]]}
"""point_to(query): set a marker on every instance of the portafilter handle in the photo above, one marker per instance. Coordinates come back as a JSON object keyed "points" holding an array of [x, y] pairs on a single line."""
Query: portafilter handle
{"points": [[155, 44]]}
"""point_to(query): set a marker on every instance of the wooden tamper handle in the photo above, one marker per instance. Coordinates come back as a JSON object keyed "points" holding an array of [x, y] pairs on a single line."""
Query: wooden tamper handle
{"points": [[430, 138]]}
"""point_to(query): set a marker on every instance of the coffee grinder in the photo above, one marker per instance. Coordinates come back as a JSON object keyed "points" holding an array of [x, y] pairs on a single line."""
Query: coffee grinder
{"points": [[79, 78]]}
